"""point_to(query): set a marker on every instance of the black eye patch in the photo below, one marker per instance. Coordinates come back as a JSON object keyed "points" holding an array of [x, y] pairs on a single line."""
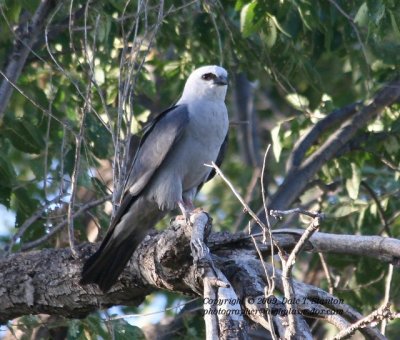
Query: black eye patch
{"points": [[208, 76]]}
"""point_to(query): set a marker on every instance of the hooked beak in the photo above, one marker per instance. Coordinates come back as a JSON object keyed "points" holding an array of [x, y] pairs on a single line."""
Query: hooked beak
{"points": [[221, 81]]}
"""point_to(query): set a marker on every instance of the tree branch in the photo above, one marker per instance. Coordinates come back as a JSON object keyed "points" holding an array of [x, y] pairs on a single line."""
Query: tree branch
{"points": [[248, 137], [28, 34], [298, 177], [334, 118], [382, 313], [46, 281], [313, 301]]}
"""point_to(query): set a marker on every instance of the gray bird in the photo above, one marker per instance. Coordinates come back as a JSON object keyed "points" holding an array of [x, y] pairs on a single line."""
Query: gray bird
{"points": [[167, 171]]}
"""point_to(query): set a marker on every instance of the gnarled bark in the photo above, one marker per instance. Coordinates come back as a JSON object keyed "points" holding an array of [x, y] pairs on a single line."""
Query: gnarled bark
{"points": [[47, 281]]}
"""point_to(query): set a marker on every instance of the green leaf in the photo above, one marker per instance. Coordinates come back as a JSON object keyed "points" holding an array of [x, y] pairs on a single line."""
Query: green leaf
{"points": [[7, 180], [270, 33], [345, 210], [7, 173], [5, 196], [361, 17], [99, 185], [123, 330], [94, 328], [104, 29], [75, 330], [239, 5], [392, 145], [395, 27], [30, 5], [278, 26], [23, 135], [298, 101], [376, 9], [276, 142], [353, 183], [247, 19], [99, 137], [25, 205], [13, 12]]}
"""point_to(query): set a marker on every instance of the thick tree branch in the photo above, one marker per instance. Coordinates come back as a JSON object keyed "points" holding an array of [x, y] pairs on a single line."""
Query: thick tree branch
{"points": [[299, 175], [248, 137], [226, 325], [248, 279], [46, 281], [301, 147], [27, 35], [384, 249]]}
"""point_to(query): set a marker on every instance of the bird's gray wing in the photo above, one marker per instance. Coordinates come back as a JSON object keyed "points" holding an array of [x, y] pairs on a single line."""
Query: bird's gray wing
{"points": [[158, 139]]}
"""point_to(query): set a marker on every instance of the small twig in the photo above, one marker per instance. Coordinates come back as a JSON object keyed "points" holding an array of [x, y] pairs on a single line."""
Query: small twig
{"points": [[270, 280], [279, 213], [210, 311], [28, 222], [211, 13], [327, 273], [353, 25], [311, 298], [312, 228], [361, 286], [52, 57], [58, 227], [90, 62], [35, 104], [74, 184], [241, 200], [264, 199], [238, 122], [381, 211], [264, 194], [394, 217], [287, 282], [162, 311], [248, 197], [388, 284], [390, 165], [380, 314], [271, 287]]}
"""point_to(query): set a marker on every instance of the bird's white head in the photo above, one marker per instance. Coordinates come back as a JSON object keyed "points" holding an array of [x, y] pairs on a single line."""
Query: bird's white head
{"points": [[206, 83]]}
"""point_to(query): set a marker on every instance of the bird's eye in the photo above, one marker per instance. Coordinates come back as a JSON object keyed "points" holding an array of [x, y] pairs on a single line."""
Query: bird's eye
{"points": [[208, 76]]}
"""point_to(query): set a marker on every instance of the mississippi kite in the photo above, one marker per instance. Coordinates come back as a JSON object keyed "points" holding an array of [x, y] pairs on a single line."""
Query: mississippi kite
{"points": [[167, 171]]}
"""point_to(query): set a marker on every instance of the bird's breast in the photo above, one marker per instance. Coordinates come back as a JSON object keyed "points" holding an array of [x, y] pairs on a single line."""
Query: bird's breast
{"points": [[207, 129], [208, 122]]}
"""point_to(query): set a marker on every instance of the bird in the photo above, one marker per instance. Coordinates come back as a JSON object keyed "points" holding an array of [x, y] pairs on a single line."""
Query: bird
{"points": [[168, 170]]}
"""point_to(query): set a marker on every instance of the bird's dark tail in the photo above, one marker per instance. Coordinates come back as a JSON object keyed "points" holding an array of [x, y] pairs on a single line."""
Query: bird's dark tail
{"points": [[105, 265], [131, 224]]}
